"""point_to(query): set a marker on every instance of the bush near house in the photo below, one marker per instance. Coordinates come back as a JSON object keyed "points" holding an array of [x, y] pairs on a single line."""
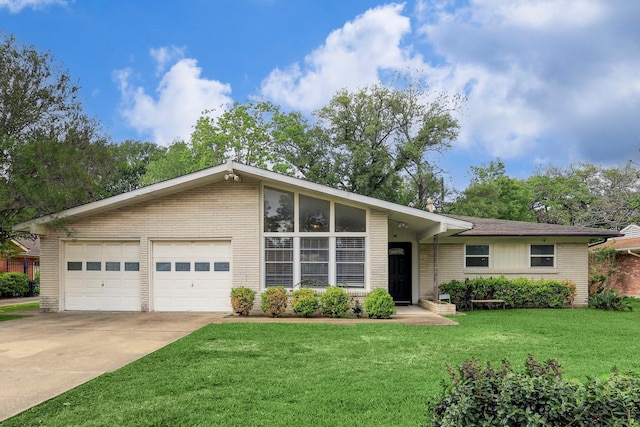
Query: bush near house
{"points": [[610, 299], [539, 396], [304, 302], [242, 300], [13, 285], [274, 301], [517, 293], [335, 302], [379, 304]]}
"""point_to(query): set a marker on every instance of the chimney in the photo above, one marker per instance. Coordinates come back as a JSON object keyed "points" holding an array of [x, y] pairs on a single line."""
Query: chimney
{"points": [[430, 207]]}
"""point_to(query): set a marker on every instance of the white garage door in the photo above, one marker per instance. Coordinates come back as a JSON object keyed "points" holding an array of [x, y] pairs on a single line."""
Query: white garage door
{"points": [[102, 276], [192, 276]]}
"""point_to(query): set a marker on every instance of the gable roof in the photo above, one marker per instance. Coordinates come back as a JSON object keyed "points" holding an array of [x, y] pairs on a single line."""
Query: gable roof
{"points": [[426, 223], [621, 244], [488, 227]]}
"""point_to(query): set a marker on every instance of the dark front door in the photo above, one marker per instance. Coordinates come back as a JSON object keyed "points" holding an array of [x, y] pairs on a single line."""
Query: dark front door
{"points": [[400, 272]]}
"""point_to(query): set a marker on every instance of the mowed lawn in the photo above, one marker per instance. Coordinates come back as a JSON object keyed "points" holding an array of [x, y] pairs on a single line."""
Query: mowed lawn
{"points": [[374, 374]]}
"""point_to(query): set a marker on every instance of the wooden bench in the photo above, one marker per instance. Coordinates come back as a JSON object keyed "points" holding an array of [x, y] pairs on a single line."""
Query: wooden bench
{"points": [[488, 301]]}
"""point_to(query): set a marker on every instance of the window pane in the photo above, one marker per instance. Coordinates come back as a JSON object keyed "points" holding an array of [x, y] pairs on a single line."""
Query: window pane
{"points": [[480, 261], [542, 249], [163, 266], [477, 249], [541, 261], [74, 266], [112, 266], [94, 266], [131, 266], [183, 266], [314, 259], [350, 257], [220, 266], [314, 214], [278, 261], [350, 219], [278, 210], [203, 266]]}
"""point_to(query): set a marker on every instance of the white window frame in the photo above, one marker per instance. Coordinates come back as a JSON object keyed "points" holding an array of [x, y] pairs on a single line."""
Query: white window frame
{"points": [[297, 235], [532, 256]]}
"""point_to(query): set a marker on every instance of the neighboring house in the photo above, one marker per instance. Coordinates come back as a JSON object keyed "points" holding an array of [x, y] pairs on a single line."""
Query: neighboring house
{"points": [[23, 257], [627, 247], [182, 244]]}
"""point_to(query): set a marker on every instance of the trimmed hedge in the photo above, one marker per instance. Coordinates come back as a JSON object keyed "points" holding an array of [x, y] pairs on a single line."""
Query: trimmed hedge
{"points": [[379, 304], [537, 397], [13, 285], [517, 293]]}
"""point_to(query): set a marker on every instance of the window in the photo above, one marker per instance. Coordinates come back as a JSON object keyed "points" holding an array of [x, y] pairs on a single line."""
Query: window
{"points": [[112, 266], [94, 266], [163, 266], [350, 258], [202, 266], [476, 256], [220, 266], [543, 255], [183, 266], [131, 266], [314, 214], [74, 266], [350, 219], [278, 210], [278, 261], [314, 259]]}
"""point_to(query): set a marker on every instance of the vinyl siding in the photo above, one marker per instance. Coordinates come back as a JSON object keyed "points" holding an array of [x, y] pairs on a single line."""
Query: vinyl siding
{"points": [[509, 259]]}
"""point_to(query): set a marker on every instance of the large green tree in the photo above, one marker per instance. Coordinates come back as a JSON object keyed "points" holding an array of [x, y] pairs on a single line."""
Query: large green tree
{"points": [[53, 156], [493, 194]]}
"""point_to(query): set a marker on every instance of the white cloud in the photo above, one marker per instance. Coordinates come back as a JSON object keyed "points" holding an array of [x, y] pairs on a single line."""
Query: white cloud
{"points": [[16, 6], [166, 55], [181, 97], [351, 57], [544, 78]]}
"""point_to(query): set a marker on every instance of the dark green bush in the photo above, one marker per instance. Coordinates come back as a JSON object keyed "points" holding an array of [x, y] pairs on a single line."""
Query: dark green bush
{"points": [[242, 300], [379, 304], [13, 285], [274, 301], [304, 302], [537, 397], [516, 293], [609, 299], [335, 302]]}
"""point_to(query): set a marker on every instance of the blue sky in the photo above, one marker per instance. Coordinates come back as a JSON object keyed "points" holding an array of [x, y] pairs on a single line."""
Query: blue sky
{"points": [[547, 81]]}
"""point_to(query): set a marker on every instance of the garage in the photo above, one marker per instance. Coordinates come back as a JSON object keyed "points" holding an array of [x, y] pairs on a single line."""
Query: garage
{"points": [[102, 276], [191, 276]]}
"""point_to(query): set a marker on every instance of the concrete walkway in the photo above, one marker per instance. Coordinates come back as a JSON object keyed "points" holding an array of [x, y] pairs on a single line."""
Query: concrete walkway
{"points": [[49, 353]]}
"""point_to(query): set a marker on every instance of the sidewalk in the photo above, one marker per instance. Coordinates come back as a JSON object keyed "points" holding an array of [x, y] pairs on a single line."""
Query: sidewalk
{"points": [[14, 301]]}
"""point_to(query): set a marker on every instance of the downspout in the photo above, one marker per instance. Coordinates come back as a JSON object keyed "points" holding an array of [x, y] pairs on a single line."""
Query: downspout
{"points": [[633, 253], [436, 287]]}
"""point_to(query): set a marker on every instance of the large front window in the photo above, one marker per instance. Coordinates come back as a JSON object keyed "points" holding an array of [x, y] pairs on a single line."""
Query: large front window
{"points": [[310, 239]]}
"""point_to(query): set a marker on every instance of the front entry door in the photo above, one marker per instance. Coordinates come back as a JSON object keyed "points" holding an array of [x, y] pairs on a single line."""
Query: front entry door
{"points": [[400, 272]]}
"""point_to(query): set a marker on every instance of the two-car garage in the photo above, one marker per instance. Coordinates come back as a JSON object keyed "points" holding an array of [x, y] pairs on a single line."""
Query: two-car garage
{"points": [[183, 276]]}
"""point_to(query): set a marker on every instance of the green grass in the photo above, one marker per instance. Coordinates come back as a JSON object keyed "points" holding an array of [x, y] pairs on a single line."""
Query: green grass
{"points": [[17, 307], [259, 374]]}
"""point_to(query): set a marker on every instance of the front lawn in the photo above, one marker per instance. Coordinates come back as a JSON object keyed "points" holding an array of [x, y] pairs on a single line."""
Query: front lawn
{"points": [[17, 307], [258, 374]]}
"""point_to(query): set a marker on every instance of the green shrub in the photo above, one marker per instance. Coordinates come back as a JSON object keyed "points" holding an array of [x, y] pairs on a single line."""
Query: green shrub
{"points": [[379, 304], [13, 284], [242, 300], [335, 302], [609, 299], [304, 302], [516, 293], [274, 301], [539, 396]]}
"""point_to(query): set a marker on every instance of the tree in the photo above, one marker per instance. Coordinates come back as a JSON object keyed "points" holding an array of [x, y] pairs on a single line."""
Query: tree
{"points": [[381, 139], [53, 155], [131, 161], [492, 194]]}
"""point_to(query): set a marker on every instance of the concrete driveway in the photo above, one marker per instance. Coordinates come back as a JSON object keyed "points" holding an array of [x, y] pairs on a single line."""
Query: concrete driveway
{"points": [[49, 353]]}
